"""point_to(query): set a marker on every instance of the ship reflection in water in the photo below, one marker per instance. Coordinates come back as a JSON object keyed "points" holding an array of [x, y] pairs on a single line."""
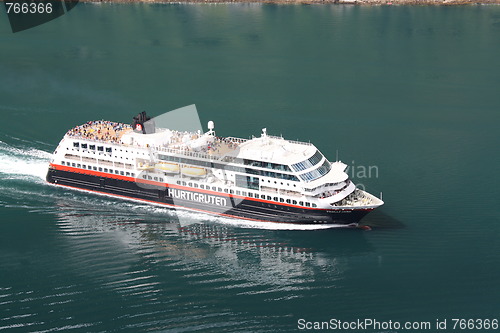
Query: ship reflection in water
{"points": [[138, 249]]}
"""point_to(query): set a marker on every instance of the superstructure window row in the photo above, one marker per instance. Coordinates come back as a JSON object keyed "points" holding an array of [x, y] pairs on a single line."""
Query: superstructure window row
{"points": [[109, 150], [267, 165], [312, 161], [316, 173], [259, 164], [100, 169], [234, 168]]}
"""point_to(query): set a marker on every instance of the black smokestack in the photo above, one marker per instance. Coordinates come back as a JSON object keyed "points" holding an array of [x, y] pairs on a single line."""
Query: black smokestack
{"points": [[143, 124]]}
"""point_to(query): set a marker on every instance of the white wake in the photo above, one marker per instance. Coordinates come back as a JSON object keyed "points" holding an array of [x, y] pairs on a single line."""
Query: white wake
{"points": [[19, 163]]}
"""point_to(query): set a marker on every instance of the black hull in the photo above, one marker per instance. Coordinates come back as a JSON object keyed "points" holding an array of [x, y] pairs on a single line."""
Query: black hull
{"points": [[175, 196]]}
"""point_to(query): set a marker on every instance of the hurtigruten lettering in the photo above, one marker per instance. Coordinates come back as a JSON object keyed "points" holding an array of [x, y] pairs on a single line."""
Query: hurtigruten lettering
{"points": [[200, 197]]}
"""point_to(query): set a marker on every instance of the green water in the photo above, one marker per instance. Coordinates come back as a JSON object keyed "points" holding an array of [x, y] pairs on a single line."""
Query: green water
{"points": [[411, 91]]}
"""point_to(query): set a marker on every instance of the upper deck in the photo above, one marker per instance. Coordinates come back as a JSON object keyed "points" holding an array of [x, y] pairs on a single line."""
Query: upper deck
{"points": [[200, 145], [100, 131]]}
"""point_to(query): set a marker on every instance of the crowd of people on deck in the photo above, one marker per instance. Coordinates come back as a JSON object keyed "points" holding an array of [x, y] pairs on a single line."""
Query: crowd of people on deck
{"points": [[217, 144], [102, 130]]}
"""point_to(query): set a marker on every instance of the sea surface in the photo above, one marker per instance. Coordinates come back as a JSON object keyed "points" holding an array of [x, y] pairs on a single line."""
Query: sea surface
{"points": [[409, 98]]}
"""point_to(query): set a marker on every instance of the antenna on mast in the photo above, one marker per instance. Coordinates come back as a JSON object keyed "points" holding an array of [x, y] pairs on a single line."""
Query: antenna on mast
{"points": [[211, 127], [337, 156]]}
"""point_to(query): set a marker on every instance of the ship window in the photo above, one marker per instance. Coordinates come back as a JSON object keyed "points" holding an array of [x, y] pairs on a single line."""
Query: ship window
{"points": [[73, 164], [110, 170], [108, 149], [195, 185], [92, 147], [308, 204], [244, 193], [275, 198], [132, 174], [231, 191], [62, 163], [121, 173], [95, 168], [155, 178], [117, 172], [250, 195], [269, 198], [79, 165], [84, 145], [149, 177], [128, 173], [314, 205], [100, 148], [294, 202], [219, 189], [282, 200], [262, 196], [288, 201], [76, 144], [178, 182], [183, 183], [143, 176], [105, 170], [225, 190], [100, 169], [190, 184], [317, 173], [238, 192], [315, 159], [202, 186], [301, 203]]}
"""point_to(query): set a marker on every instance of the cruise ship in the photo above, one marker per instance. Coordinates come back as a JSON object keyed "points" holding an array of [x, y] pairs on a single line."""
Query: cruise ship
{"points": [[265, 179]]}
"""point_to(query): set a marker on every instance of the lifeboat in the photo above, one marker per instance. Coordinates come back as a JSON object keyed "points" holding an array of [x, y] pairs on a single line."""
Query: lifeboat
{"points": [[145, 166], [193, 171], [167, 167]]}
